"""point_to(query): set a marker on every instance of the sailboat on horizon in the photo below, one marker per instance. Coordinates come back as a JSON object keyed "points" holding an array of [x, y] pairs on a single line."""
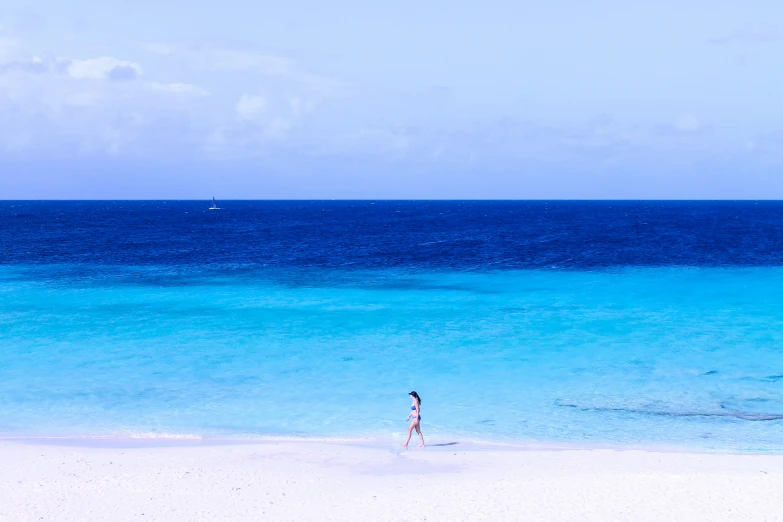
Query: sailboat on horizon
{"points": [[214, 205]]}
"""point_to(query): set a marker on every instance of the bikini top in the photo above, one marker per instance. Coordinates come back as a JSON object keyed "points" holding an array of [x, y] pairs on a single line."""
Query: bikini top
{"points": [[413, 407]]}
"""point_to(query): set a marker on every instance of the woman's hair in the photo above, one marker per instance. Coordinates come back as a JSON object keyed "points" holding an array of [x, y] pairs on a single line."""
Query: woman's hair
{"points": [[415, 396]]}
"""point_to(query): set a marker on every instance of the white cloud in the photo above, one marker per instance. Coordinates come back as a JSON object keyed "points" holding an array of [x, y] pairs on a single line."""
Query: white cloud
{"points": [[215, 57], [250, 108], [752, 34], [88, 106], [104, 68], [272, 118], [684, 125], [687, 123], [118, 105], [110, 104], [289, 94], [249, 61], [265, 119], [300, 106]]}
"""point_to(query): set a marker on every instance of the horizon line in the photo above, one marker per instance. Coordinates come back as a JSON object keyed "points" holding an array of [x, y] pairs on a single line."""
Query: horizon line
{"points": [[401, 200]]}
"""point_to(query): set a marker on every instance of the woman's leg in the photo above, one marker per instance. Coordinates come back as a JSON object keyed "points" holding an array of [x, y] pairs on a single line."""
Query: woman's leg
{"points": [[410, 430], [418, 430]]}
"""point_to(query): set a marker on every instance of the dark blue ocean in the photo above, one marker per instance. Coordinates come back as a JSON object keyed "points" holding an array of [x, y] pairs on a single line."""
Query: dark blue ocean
{"points": [[653, 323]]}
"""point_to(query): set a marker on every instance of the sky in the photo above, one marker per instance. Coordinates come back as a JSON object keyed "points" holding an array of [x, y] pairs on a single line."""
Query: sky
{"points": [[249, 99]]}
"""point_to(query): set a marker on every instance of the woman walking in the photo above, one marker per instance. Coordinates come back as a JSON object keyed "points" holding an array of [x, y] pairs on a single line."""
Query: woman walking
{"points": [[416, 422]]}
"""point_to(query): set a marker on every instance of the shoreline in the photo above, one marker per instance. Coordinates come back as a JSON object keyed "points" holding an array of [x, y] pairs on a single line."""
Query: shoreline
{"points": [[174, 441], [286, 480]]}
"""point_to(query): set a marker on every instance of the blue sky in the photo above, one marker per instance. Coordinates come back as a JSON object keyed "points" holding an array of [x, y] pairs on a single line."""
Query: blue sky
{"points": [[303, 99]]}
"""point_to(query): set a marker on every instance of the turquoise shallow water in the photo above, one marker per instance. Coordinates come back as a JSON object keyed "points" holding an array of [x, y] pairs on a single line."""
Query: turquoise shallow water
{"points": [[668, 355]]}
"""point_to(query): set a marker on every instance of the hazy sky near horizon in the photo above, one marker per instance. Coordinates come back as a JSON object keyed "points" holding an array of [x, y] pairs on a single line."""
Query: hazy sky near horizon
{"points": [[349, 99]]}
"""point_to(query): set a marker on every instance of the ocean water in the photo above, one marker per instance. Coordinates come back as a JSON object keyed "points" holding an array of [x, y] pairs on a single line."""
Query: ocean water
{"points": [[628, 323]]}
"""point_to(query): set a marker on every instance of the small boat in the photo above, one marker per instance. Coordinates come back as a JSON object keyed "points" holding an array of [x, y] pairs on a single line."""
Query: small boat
{"points": [[214, 205]]}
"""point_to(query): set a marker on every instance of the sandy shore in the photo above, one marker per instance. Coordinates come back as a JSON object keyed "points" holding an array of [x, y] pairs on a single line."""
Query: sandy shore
{"points": [[321, 481]]}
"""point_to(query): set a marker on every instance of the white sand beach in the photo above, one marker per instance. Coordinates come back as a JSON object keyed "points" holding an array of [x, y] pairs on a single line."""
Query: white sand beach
{"points": [[325, 481]]}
